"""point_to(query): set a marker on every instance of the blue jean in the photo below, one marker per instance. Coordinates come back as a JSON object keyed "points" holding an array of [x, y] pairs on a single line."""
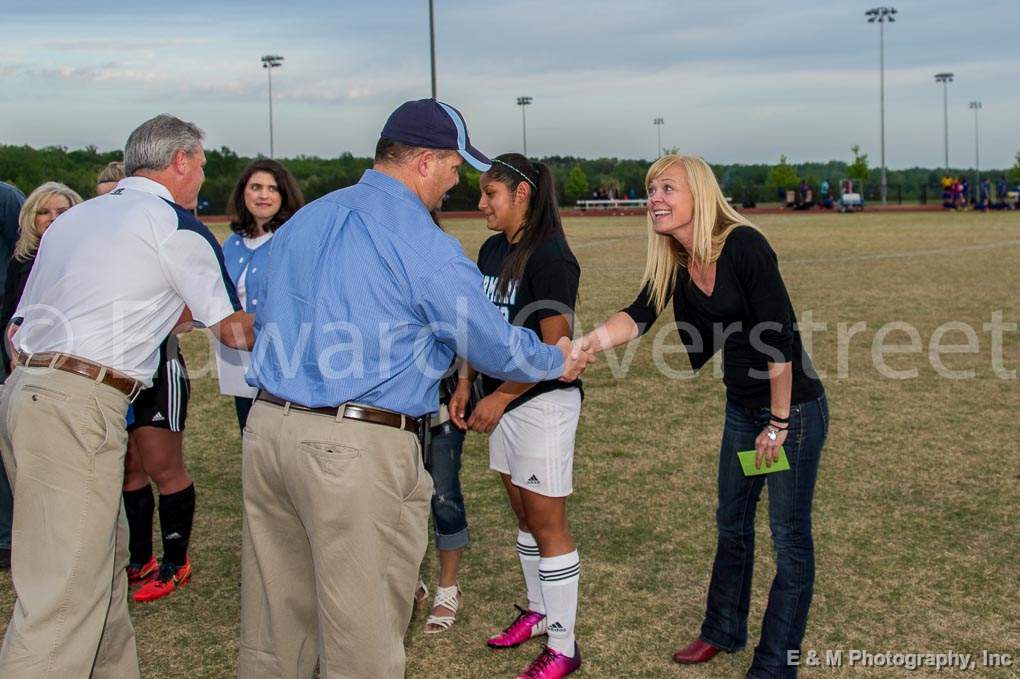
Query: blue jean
{"points": [[447, 499], [790, 496]]}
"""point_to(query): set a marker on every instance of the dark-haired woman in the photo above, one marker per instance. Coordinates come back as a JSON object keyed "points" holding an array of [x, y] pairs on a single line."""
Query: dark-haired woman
{"points": [[530, 273], [265, 197]]}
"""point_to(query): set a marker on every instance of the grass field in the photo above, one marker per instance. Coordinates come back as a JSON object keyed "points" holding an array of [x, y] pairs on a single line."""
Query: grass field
{"points": [[916, 547]]}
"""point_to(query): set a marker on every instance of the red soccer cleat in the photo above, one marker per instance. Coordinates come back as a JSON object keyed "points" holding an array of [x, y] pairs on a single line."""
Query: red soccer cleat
{"points": [[170, 577], [142, 573]]}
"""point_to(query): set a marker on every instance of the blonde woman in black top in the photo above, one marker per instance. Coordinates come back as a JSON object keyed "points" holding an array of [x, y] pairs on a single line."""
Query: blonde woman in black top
{"points": [[42, 207], [719, 270], [39, 210]]}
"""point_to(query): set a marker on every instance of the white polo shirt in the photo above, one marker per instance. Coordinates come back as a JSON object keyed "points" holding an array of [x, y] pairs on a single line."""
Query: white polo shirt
{"points": [[114, 273]]}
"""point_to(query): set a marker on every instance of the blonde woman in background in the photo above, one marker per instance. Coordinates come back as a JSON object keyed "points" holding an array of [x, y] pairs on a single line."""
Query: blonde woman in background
{"points": [[41, 208], [108, 177], [723, 278], [38, 211]]}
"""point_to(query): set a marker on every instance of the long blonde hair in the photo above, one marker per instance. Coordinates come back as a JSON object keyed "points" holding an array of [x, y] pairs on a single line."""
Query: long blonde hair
{"points": [[28, 234], [713, 220]]}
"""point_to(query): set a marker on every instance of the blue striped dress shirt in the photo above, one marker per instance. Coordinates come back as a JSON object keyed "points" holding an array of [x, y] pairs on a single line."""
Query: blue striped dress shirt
{"points": [[366, 301]]}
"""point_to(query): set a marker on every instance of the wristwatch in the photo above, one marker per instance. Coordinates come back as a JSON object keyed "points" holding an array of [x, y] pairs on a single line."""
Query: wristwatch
{"points": [[772, 432]]}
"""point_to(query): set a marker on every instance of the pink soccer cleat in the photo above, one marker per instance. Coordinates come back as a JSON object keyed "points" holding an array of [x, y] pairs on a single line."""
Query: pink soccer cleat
{"points": [[552, 664], [529, 624]]}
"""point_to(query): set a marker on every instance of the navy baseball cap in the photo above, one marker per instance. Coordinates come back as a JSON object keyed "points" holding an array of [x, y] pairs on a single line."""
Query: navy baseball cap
{"points": [[431, 124]]}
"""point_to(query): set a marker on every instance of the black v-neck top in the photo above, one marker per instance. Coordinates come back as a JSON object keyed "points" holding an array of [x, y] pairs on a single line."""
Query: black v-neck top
{"points": [[748, 315]]}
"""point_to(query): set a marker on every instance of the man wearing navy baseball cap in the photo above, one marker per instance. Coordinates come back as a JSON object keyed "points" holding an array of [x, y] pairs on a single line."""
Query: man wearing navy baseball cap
{"points": [[431, 124], [362, 308]]}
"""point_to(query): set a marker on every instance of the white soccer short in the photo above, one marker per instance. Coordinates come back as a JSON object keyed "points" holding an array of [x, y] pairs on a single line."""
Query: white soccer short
{"points": [[534, 443]]}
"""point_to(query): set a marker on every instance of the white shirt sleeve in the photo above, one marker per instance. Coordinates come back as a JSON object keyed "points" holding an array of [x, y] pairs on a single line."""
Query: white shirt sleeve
{"points": [[195, 271]]}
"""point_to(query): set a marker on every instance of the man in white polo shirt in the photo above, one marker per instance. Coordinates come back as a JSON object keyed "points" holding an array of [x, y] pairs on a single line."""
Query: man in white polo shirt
{"points": [[111, 280]]}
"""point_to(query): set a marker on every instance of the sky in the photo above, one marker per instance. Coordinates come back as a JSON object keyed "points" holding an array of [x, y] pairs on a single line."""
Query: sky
{"points": [[734, 81]]}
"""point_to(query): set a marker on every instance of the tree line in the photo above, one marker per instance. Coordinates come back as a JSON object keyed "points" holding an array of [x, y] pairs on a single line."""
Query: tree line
{"points": [[576, 178]]}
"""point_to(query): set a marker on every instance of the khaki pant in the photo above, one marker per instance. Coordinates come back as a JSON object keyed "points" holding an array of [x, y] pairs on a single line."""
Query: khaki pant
{"points": [[335, 528], [63, 442]]}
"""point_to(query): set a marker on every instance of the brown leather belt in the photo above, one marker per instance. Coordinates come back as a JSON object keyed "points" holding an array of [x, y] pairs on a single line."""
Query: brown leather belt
{"points": [[79, 366], [353, 411]]}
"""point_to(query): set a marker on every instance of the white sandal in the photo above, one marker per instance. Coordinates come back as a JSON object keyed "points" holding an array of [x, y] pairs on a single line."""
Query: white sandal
{"points": [[449, 598], [421, 592]]}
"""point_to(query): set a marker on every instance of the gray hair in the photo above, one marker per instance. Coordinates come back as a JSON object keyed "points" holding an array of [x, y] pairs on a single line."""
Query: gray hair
{"points": [[153, 143]]}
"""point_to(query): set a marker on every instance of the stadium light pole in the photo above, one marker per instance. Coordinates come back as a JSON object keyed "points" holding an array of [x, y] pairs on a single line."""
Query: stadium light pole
{"points": [[945, 79], [432, 47], [881, 15], [658, 122], [269, 62], [522, 102], [976, 106]]}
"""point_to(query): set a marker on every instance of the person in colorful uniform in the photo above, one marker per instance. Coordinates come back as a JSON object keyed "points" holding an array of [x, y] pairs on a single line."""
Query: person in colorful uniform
{"points": [[532, 277], [155, 424]]}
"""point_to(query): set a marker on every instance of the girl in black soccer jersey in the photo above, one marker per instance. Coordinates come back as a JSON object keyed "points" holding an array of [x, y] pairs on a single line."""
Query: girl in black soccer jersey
{"points": [[530, 273]]}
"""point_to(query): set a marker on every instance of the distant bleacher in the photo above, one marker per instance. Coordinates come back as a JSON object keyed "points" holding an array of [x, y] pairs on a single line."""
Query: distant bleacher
{"points": [[619, 203], [612, 204]]}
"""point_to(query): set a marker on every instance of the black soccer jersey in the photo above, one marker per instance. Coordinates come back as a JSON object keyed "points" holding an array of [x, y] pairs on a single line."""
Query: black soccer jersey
{"points": [[548, 288]]}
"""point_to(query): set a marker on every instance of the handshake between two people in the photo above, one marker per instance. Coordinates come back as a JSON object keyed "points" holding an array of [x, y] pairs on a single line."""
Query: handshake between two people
{"points": [[578, 354]]}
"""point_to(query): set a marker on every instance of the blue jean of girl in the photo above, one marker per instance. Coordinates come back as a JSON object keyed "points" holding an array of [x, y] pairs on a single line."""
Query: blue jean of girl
{"points": [[448, 512], [790, 497]]}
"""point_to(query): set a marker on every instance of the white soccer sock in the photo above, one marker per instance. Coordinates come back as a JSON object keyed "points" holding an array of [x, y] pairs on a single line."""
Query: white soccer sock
{"points": [[527, 550], [559, 576]]}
